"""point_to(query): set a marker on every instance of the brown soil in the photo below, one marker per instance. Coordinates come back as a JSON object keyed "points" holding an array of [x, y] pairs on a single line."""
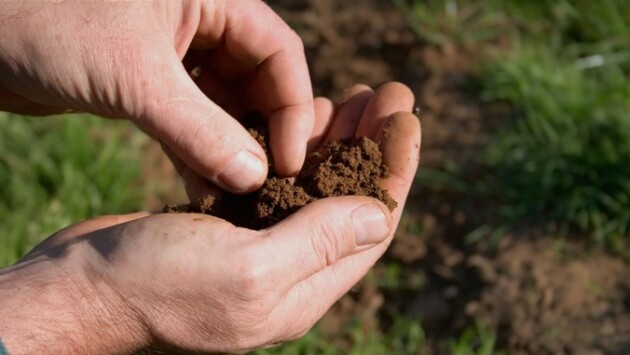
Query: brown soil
{"points": [[552, 299], [540, 295], [536, 297], [351, 166]]}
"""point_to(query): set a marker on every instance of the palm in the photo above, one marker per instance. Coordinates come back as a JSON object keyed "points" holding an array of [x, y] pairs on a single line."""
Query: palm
{"points": [[368, 113], [195, 260], [362, 113]]}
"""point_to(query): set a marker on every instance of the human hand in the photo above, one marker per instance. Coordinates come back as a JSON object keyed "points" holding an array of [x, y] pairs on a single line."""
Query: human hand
{"points": [[124, 59], [195, 282]]}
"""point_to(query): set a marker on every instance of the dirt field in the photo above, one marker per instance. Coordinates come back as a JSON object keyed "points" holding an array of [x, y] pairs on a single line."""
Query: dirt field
{"points": [[540, 294]]}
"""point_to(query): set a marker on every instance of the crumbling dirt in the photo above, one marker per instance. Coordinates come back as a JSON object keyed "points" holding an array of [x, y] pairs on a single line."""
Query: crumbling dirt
{"points": [[546, 299], [537, 298], [351, 166]]}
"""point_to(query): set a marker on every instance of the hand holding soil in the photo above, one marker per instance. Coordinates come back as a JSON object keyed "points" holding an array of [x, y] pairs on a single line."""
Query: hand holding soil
{"points": [[124, 60], [341, 164], [196, 282]]}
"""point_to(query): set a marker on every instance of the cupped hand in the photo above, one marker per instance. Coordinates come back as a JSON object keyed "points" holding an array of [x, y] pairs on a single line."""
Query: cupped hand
{"points": [[124, 59], [194, 282]]}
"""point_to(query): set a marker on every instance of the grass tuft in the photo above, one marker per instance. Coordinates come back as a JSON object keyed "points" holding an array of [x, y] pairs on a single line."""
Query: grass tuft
{"points": [[564, 158], [59, 170]]}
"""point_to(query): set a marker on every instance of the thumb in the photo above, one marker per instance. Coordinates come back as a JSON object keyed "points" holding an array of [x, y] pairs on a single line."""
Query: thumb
{"points": [[199, 132], [325, 231]]}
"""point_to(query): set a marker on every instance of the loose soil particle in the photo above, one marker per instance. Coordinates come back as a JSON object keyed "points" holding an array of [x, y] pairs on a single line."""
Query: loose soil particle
{"points": [[367, 41], [351, 166]]}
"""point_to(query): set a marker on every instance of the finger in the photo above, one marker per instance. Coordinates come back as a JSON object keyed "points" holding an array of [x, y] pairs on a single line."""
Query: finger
{"points": [[324, 113], [323, 232], [388, 98], [196, 186], [350, 112], [400, 144], [200, 133], [319, 293], [178, 164], [400, 138], [83, 228], [257, 37]]}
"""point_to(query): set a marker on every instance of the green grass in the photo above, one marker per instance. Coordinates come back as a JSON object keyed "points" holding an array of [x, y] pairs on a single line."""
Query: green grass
{"points": [[449, 21], [474, 340], [565, 157], [59, 170], [562, 159], [561, 23], [404, 337]]}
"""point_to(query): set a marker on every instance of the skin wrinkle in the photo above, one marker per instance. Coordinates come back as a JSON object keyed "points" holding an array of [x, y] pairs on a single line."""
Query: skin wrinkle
{"points": [[224, 333], [18, 13], [131, 314], [137, 80], [171, 280], [105, 99], [273, 95], [327, 244], [175, 298], [212, 12], [190, 139], [48, 293], [125, 295], [153, 312], [191, 17], [128, 91], [13, 62], [183, 137], [79, 90], [231, 26], [22, 69]]}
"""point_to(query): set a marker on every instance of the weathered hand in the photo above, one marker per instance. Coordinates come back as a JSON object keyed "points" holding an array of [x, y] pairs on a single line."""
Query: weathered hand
{"points": [[124, 59], [195, 282]]}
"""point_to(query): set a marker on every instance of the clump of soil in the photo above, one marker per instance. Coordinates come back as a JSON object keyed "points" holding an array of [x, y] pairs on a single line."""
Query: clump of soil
{"points": [[351, 166]]}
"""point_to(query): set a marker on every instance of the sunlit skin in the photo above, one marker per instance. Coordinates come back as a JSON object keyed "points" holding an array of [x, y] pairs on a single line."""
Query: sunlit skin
{"points": [[195, 282], [184, 72], [124, 59]]}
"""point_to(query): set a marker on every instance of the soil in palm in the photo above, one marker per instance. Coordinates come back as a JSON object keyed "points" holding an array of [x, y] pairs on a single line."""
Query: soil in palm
{"points": [[352, 166]]}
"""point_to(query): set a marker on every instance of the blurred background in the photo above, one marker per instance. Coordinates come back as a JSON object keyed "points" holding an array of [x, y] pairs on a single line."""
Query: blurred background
{"points": [[515, 237]]}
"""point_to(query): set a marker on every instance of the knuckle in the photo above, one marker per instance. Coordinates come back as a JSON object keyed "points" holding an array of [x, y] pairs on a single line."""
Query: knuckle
{"points": [[329, 243], [137, 67], [252, 277], [295, 41], [250, 330], [191, 137], [398, 89]]}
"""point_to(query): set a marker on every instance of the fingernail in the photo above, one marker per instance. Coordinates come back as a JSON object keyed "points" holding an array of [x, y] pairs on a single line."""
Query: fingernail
{"points": [[243, 173], [371, 225]]}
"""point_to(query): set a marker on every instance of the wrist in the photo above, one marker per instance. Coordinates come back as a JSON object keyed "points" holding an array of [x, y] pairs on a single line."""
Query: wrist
{"points": [[49, 305]]}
